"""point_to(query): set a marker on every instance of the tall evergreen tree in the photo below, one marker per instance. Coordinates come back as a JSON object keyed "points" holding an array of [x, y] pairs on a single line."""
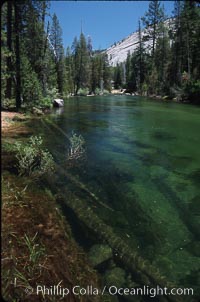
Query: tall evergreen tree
{"points": [[106, 73], [17, 54], [81, 63], [140, 59], [151, 21], [185, 42], [9, 48], [57, 45], [118, 76], [69, 71], [162, 57]]}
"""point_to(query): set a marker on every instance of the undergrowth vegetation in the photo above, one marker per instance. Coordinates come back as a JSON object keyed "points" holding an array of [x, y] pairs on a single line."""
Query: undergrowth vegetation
{"points": [[33, 159], [77, 149]]}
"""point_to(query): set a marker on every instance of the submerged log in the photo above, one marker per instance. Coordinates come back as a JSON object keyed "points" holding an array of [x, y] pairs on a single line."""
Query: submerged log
{"points": [[142, 270], [82, 186]]}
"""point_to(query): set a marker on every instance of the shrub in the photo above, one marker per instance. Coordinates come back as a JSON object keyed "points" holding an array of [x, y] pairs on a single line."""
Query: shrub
{"points": [[106, 92], [83, 92], [33, 160], [52, 93], [45, 103], [77, 147], [144, 89], [97, 91], [192, 90], [175, 92]]}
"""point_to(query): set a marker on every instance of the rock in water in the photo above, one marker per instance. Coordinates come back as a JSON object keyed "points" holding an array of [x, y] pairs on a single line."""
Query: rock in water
{"points": [[99, 253], [115, 276], [58, 103]]}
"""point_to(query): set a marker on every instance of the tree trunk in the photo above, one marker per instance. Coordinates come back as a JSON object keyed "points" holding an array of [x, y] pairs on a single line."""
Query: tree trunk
{"points": [[17, 51], [9, 46], [154, 38], [188, 54], [43, 50]]}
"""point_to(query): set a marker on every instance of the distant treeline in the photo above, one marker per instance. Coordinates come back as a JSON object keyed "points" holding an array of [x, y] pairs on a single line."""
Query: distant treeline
{"points": [[171, 64], [35, 66]]}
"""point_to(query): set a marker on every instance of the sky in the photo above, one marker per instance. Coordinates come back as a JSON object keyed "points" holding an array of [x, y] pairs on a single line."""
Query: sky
{"points": [[106, 22]]}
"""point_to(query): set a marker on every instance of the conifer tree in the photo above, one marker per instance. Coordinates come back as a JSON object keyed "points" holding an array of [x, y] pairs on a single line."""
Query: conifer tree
{"points": [[69, 71], [9, 48], [106, 73], [118, 77], [58, 52], [18, 95], [151, 21], [81, 63]]}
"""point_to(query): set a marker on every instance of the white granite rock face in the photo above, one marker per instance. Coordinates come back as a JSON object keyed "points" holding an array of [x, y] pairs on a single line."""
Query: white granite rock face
{"points": [[118, 52]]}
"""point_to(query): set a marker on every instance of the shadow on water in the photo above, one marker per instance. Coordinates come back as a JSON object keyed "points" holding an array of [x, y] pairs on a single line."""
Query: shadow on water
{"points": [[160, 135], [195, 176], [177, 203]]}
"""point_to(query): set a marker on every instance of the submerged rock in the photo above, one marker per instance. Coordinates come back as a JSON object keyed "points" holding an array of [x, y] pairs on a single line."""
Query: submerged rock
{"points": [[99, 253], [58, 103], [116, 277]]}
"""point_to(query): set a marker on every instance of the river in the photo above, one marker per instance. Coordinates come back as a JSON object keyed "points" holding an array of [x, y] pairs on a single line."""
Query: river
{"points": [[143, 161]]}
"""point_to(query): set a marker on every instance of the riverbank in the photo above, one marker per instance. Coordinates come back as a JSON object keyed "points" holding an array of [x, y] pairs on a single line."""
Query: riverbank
{"points": [[37, 242], [8, 118], [165, 98]]}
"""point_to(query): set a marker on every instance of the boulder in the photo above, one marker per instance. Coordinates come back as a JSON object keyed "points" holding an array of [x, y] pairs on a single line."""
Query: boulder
{"points": [[58, 103]]}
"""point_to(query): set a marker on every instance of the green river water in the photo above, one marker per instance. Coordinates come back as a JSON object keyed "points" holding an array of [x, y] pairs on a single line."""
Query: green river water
{"points": [[143, 160]]}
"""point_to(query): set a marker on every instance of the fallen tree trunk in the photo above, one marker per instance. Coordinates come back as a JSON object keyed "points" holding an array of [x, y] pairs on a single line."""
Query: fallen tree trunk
{"points": [[143, 272], [142, 269], [82, 186], [73, 179]]}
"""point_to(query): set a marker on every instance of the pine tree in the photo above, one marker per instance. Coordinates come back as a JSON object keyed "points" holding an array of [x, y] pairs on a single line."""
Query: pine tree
{"points": [[82, 65], [176, 60], [151, 21], [17, 54], [162, 56], [95, 81], [58, 51], [89, 46], [9, 48], [106, 73], [69, 71], [184, 64], [140, 60], [128, 72], [5, 72], [118, 77]]}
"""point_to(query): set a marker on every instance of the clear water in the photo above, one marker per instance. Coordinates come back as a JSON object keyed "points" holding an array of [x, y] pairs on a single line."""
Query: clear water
{"points": [[143, 160]]}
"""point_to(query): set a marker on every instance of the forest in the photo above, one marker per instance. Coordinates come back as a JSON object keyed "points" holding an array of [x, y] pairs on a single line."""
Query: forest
{"points": [[36, 67], [171, 65]]}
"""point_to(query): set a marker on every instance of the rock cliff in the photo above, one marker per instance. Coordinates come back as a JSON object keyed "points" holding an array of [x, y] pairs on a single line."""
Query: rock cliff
{"points": [[117, 53]]}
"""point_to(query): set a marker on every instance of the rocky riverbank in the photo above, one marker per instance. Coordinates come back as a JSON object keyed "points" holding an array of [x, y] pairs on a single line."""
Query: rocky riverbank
{"points": [[38, 247]]}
